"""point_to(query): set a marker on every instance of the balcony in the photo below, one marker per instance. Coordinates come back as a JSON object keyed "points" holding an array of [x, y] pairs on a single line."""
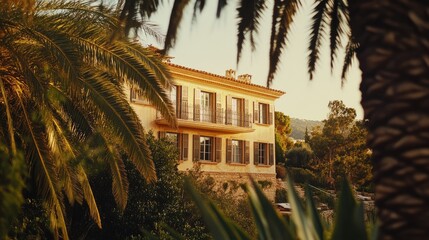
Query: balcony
{"points": [[217, 121]]}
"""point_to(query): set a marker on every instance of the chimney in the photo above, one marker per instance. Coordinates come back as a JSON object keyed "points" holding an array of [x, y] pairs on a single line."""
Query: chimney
{"points": [[247, 78], [230, 73]]}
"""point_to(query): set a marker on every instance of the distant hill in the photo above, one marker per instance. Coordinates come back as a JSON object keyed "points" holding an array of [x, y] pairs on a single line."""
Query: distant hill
{"points": [[298, 127]]}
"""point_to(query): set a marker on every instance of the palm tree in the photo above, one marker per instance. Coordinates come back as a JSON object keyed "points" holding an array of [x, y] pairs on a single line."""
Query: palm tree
{"points": [[390, 39], [63, 102]]}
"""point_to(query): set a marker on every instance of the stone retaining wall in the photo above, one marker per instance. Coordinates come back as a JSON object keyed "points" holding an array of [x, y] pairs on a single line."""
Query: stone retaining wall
{"points": [[235, 181]]}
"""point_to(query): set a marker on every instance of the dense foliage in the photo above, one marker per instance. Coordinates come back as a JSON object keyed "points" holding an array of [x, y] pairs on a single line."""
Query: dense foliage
{"points": [[282, 132], [154, 208], [340, 147], [63, 104]]}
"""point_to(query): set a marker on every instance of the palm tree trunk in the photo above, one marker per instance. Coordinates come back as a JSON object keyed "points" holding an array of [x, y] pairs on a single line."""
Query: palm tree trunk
{"points": [[394, 59]]}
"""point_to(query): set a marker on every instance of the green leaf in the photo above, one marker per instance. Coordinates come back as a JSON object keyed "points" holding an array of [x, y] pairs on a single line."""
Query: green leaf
{"points": [[220, 226], [304, 228], [270, 225], [349, 217]]}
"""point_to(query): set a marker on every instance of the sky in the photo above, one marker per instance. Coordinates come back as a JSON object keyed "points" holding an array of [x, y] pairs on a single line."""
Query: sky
{"points": [[209, 44]]}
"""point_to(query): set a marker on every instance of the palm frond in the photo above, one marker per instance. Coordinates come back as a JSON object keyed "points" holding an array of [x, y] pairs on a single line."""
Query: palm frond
{"points": [[249, 13], [89, 195], [336, 30], [71, 112], [221, 4], [351, 48], [283, 13], [122, 119], [117, 168], [79, 11], [133, 69], [56, 46], [198, 6], [152, 30], [316, 35], [174, 24], [44, 170], [151, 62], [62, 149], [80, 183], [9, 119]]}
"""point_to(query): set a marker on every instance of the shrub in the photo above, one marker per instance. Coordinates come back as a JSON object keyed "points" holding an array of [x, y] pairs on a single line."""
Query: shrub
{"points": [[281, 196], [280, 172]]}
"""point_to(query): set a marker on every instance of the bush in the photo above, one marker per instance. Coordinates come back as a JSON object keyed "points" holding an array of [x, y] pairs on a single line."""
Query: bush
{"points": [[280, 172], [281, 196], [149, 206], [301, 175]]}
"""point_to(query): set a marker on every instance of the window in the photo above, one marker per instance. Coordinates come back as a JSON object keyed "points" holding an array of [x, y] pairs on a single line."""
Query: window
{"points": [[207, 106], [179, 99], [207, 148], [263, 113], [178, 139], [236, 111], [263, 153], [262, 158], [206, 103], [137, 96], [237, 151], [172, 137]]}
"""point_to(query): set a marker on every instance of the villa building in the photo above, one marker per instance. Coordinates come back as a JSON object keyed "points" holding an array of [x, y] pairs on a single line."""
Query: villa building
{"points": [[225, 123]]}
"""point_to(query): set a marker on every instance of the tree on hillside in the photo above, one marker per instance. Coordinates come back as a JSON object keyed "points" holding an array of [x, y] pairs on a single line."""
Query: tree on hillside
{"points": [[63, 104], [282, 132], [339, 146]]}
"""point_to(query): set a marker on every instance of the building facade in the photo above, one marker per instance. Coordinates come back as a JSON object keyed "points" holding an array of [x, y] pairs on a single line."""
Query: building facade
{"points": [[225, 124]]}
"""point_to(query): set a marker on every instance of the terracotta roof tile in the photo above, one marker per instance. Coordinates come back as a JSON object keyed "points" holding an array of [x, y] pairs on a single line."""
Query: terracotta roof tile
{"points": [[223, 77]]}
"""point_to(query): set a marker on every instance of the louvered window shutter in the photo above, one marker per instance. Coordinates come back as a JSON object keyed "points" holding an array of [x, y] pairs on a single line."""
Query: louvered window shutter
{"points": [[246, 152], [256, 112], [218, 146], [271, 153], [161, 134], [256, 153], [228, 110], [228, 150], [197, 104], [196, 148], [246, 114], [184, 110], [185, 146], [218, 108], [271, 115]]}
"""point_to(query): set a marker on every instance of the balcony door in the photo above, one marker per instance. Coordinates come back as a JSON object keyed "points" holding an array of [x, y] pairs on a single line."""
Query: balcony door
{"points": [[236, 111], [206, 104]]}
